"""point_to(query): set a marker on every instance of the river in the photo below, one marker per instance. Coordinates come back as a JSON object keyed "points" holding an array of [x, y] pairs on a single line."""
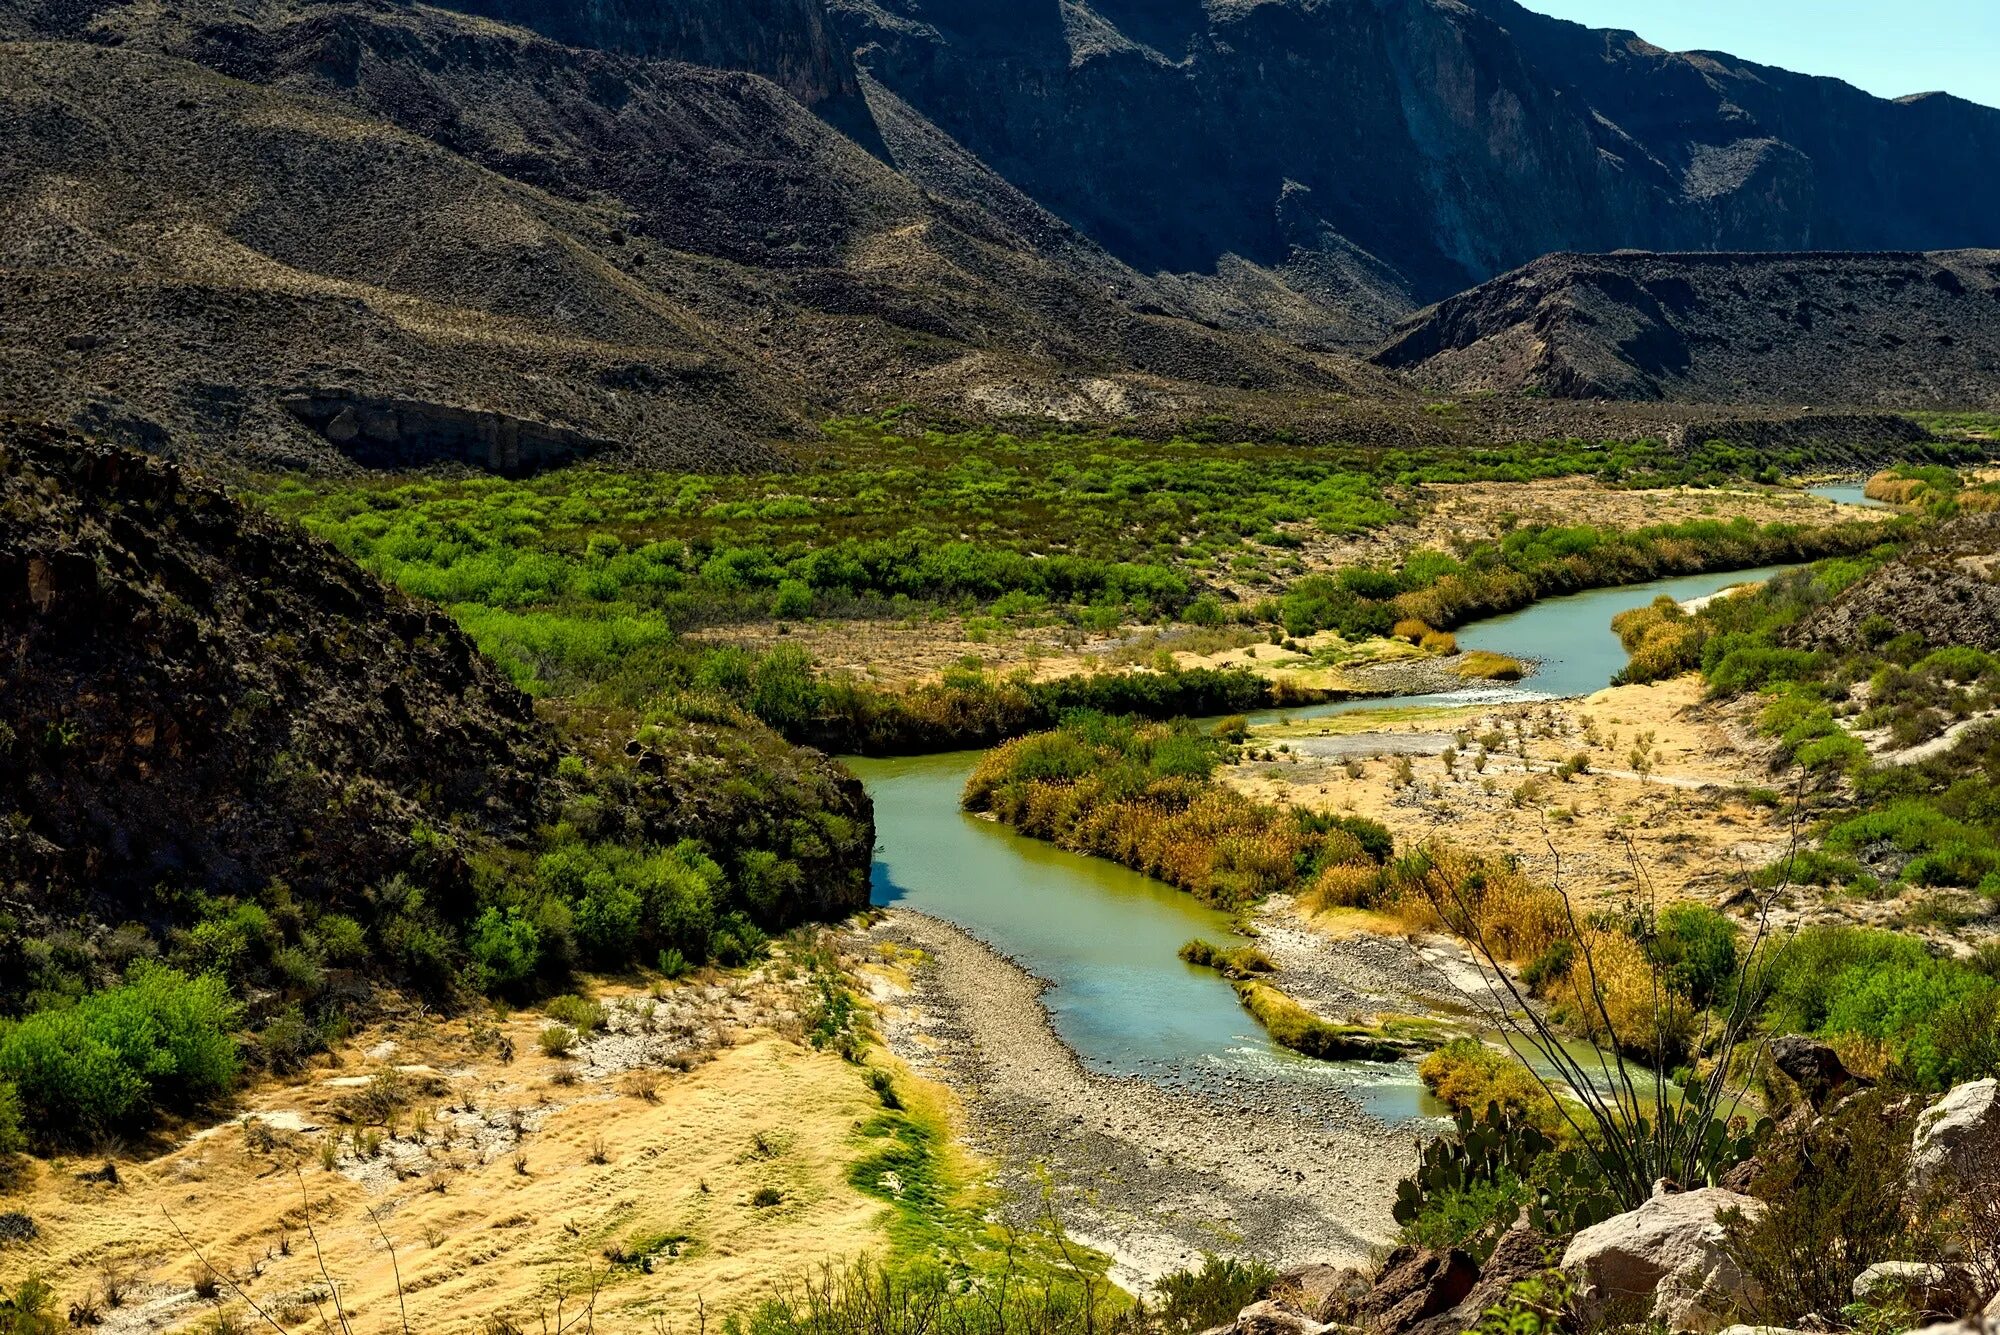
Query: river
{"points": [[1105, 938]]}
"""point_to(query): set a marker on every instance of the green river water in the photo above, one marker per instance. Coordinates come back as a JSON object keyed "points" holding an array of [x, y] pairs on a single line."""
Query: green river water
{"points": [[1105, 939]]}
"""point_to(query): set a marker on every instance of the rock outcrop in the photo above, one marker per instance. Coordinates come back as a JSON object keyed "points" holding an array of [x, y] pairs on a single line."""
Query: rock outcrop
{"points": [[1957, 1143], [1444, 141], [1414, 1285], [1662, 1262], [1891, 330], [1813, 1066], [1943, 588], [1924, 1287], [405, 434]]}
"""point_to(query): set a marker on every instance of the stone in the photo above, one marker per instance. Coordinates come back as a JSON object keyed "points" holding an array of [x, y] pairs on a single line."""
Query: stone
{"points": [[1271, 1317], [1957, 1142], [1323, 1292], [1415, 1284], [1812, 1065], [1925, 1285], [1663, 1261], [1521, 1253]]}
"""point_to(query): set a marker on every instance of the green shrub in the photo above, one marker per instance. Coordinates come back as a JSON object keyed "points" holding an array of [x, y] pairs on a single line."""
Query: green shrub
{"points": [[1696, 948], [13, 1132], [506, 950], [107, 1062], [794, 599], [1194, 1300], [1938, 1019], [579, 1013]]}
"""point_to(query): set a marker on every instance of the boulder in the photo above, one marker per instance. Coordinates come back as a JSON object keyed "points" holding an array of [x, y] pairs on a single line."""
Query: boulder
{"points": [[1663, 1261], [1274, 1318], [1812, 1065], [1957, 1143], [1416, 1284], [1926, 1287], [1323, 1292], [1520, 1254]]}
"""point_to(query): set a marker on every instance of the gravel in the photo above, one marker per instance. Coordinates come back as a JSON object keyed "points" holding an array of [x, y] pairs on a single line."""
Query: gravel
{"points": [[1155, 1174]]}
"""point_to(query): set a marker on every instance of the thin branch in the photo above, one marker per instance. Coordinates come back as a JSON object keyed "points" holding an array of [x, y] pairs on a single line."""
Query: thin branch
{"points": [[219, 1276], [395, 1268], [333, 1289]]}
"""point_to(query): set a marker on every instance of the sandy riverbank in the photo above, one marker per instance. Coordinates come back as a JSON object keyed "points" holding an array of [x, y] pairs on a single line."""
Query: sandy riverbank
{"points": [[1153, 1174]]}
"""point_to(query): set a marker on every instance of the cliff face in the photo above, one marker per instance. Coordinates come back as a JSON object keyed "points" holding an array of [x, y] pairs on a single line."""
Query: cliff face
{"points": [[1451, 139], [786, 41]]}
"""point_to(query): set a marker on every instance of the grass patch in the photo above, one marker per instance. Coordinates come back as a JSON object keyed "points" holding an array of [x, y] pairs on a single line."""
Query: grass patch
{"points": [[1484, 665], [1293, 1026]]}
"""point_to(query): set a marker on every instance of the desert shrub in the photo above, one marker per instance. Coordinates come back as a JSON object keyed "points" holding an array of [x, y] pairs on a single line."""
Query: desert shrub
{"points": [[1834, 1206], [107, 1062], [1612, 995], [30, 1309], [1343, 886], [1194, 1300], [579, 1013], [1486, 900], [1695, 947], [557, 1040], [1468, 1076], [1410, 629]]}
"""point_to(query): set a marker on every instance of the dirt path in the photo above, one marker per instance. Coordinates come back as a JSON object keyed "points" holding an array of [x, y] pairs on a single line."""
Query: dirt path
{"points": [[1153, 1175]]}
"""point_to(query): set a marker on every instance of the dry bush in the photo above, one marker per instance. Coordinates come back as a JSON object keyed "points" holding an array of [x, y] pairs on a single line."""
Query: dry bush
{"points": [[1343, 886], [1412, 629], [1440, 888], [1612, 978]]}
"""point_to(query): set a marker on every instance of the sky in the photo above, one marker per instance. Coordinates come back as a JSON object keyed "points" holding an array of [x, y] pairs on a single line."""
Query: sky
{"points": [[1889, 47]]}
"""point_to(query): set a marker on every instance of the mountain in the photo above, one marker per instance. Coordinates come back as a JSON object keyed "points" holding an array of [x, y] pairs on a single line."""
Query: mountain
{"points": [[1446, 140], [1883, 329], [316, 233]]}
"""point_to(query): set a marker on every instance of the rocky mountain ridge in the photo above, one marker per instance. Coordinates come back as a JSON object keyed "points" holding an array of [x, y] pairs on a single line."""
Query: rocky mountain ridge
{"points": [[690, 230], [1884, 329]]}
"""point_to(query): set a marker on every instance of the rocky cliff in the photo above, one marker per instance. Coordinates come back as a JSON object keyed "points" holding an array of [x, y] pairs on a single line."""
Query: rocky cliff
{"points": [[1448, 139]]}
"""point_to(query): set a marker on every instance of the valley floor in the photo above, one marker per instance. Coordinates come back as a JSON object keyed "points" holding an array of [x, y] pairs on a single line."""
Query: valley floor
{"points": [[690, 1157]]}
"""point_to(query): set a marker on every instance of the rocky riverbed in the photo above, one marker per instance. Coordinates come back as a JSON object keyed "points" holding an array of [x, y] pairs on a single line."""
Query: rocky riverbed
{"points": [[1154, 1173]]}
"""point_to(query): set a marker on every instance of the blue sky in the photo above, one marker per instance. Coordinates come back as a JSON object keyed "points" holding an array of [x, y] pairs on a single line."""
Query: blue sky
{"points": [[1889, 47]]}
